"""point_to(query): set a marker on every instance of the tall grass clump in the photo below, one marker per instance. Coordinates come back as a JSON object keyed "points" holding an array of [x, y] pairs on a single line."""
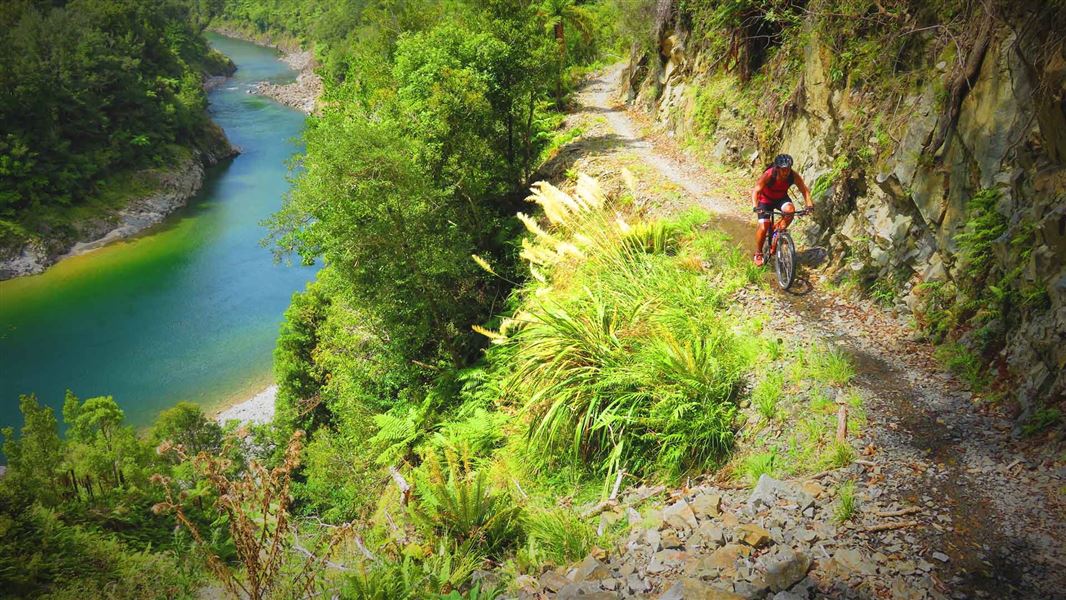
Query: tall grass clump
{"points": [[620, 355], [558, 536], [767, 393], [829, 365], [847, 504]]}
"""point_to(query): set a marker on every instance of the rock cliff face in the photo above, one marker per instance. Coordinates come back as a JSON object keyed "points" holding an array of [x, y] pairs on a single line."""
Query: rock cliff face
{"points": [[899, 219]]}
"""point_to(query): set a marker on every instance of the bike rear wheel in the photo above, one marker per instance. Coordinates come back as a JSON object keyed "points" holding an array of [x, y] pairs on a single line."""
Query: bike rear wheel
{"points": [[786, 260]]}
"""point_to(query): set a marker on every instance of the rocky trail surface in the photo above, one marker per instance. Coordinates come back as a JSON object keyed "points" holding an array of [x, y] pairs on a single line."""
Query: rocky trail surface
{"points": [[949, 504]]}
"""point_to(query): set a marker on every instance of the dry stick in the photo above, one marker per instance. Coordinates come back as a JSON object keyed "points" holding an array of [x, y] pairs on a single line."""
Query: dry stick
{"points": [[597, 509], [899, 513], [525, 496], [311, 556], [617, 482], [888, 526], [842, 423], [405, 488], [362, 548], [865, 463]]}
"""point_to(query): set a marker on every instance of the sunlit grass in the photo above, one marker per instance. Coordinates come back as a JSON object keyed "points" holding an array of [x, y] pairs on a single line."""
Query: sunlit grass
{"points": [[767, 393], [846, 505]]}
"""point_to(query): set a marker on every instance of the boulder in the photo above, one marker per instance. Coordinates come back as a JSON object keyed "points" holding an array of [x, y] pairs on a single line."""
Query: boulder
{"points": [[679, 515], [691, 588], [707, 506], [590, 568], [664, 560], [753, 535], [784, 569]]}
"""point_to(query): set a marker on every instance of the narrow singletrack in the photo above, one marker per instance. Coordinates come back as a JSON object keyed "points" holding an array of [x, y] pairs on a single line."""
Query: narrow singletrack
{"points": [[992, 505]]}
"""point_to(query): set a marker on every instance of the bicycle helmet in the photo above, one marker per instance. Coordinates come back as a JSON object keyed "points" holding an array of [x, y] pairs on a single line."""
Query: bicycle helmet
{"points": [[783, 161]]}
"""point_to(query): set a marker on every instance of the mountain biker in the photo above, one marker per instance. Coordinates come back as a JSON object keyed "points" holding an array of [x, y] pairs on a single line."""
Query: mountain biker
{"points": [[770, 193]]}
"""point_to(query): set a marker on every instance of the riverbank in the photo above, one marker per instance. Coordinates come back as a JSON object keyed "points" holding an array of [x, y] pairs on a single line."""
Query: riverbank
{"points": [[168, 190], [301, 94], [255, 410]]}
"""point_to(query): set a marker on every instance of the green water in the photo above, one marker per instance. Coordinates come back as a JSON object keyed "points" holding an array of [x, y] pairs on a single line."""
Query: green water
{"points": [[189, 311]]}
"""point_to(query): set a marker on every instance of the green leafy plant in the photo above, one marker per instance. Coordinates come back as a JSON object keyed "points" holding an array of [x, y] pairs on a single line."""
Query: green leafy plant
{"points": [[846, 504], [840, 455], [461, 505], [829, 365], [760, 464], [767, 394], [1041, 420], [559, 536]]}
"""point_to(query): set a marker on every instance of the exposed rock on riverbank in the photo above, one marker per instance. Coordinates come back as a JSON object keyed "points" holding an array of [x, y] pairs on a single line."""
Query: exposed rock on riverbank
{"points": [[255, 410], [175, 187], [301, 94]]}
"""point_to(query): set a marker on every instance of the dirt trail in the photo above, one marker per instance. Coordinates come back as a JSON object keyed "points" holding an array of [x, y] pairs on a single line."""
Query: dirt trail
{"points": [[994, 508]]}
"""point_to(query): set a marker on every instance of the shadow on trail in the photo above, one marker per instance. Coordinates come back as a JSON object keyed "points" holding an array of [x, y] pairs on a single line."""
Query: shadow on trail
{"points": [[801, 286], [812, 257], [572, 152]]}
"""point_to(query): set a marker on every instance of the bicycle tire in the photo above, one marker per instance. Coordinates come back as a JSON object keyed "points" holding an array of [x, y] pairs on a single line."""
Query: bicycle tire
{"points": [[786, 260]]}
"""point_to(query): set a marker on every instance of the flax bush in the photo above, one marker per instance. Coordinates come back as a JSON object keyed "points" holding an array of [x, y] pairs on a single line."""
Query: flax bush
{"points": [[621, 355]]}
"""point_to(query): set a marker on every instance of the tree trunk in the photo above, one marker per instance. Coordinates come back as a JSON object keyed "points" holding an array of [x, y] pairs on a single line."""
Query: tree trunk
{"points": [[529, 137], [960, 87], [560, 38]]}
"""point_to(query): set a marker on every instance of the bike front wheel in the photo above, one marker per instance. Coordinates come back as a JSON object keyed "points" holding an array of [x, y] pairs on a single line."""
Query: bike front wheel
{"points": [[786, 260]]}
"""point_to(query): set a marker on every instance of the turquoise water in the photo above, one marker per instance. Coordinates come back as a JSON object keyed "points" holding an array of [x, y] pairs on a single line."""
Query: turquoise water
{"points": [[189, 311]]}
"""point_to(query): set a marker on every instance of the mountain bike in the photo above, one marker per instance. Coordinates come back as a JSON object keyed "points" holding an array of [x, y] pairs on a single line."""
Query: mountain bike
{"points": [[785, 255]]}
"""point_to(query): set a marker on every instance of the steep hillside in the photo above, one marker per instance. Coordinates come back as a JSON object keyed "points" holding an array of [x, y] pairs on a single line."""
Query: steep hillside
{"points": [[933, 137]]}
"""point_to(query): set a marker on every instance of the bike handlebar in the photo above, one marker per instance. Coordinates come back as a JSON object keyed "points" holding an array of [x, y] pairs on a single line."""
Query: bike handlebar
{"points": [[798, 213]]}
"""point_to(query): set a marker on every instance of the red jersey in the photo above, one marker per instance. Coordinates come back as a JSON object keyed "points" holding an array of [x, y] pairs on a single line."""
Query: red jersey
{"points": [[776, 189]]}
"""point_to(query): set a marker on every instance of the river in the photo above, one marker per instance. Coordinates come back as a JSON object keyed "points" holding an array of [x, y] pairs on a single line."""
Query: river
{"points": [[188, 311]]}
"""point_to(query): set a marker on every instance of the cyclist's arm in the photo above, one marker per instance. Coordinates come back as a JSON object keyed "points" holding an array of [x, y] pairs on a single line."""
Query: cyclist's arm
{"points": [[802, 185], [759, 185]]}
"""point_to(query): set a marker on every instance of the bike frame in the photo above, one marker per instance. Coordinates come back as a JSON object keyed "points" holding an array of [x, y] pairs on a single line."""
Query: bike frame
{"points": [[784, 265]]}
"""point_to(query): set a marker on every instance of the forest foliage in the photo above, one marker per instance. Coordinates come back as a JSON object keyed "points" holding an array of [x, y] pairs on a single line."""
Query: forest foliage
{"points": [[90, 89], [453, 372]]}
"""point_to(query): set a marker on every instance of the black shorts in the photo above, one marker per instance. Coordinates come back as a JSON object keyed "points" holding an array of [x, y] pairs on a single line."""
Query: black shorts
{"points": [[765, 208]]}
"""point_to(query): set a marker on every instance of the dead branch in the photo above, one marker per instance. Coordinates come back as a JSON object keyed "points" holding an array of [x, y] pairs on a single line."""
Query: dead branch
{"points": [[405, 488], [598, 508], [521, 492], [890, 526], [363, 549], [899, 513], [312, 558], [617, 482], [842, 423]]}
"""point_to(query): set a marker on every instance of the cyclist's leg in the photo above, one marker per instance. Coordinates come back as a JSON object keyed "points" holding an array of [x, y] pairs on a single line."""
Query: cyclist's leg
{"points": [[789, 209], [762, 230]]}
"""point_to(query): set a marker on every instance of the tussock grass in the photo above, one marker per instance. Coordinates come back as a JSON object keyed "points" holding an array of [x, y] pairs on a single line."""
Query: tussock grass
{"points": [[767, 393], [623, 356], [756, 465], [557, 536], [847, 505], [840, 455], [828, 365]]}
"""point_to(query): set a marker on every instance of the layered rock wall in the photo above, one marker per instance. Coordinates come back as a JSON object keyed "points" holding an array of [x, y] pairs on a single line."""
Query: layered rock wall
{"points": [[897, 219]]}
